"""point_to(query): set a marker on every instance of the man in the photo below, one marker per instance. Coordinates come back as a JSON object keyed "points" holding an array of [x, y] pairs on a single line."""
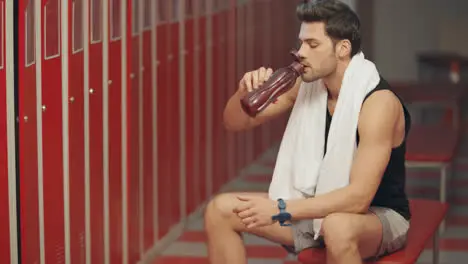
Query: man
{"points": [[369, 217]]}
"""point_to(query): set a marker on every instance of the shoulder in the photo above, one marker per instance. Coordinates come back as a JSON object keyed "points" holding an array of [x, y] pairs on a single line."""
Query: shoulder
{"points": [[379, 113], [384, 99]]}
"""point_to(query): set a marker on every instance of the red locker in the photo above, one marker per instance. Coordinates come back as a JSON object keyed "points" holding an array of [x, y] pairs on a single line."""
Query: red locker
{"points": [[266, 60], [224, 87], [76, 130], [115, 127], [250, 65], [210, 105], [28, 156], [201, 72], [173, 114], [134, 176], [95, 119], [191, 108], [258, 42], [231, 83], [217, 92], [147, 102], [163, 142], [277, 24], [52, 131], [240, 71], [7, 220]]}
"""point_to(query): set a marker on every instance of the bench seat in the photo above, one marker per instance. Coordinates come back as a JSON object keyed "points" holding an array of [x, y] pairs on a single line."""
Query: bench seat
{"points": [[426, 218]]}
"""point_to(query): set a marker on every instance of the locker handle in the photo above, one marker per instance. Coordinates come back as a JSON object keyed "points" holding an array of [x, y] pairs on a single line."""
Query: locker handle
{"points": [[91, 91]]}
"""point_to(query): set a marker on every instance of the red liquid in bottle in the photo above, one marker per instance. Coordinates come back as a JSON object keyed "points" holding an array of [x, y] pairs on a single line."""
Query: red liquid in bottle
{"points": [[281, 81]]}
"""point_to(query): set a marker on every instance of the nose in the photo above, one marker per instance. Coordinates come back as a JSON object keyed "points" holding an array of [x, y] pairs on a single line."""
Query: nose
{"points": [[301, 53]]}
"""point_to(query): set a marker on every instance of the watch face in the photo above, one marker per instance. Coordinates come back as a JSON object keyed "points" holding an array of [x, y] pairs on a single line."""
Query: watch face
{"points": [[281, 204]]}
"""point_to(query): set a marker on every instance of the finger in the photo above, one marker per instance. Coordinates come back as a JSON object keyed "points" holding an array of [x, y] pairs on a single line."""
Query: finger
{"points": [[261, 75], [249, 221], [242, 207], [255, 79], [245, 213], [243, 198], [248, 81], [253, 224], [268, 73]]}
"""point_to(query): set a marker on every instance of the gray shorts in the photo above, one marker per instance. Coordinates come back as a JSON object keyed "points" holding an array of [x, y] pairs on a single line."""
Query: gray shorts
{"points": [[395, 230]]}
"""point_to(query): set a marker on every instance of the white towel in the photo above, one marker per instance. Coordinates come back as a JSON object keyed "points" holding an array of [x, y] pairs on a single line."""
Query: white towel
{"points": [[301, 170]]}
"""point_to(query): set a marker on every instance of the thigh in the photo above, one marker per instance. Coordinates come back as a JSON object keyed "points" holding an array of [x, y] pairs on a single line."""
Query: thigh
{"points": [[226, 202], [369, 232], [363, 229], [395, 230]]}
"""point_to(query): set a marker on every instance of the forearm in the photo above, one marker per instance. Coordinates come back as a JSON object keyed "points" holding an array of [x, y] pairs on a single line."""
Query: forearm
{"points": [[344, 200], [234, 117]]}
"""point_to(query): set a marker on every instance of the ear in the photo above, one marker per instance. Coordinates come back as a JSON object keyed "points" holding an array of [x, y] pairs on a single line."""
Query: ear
{"points": [[344, 48]]}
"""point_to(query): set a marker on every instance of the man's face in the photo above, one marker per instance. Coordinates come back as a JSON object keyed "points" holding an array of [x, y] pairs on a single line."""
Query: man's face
{"points": [[317, 51]]}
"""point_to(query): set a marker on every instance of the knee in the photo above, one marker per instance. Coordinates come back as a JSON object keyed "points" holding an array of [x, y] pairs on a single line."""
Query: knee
{"points": [[339, 234], [220, 208]]}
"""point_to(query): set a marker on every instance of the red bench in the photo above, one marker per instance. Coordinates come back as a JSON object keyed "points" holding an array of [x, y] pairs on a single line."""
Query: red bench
{"points": [[426, 217], [433, 147]]}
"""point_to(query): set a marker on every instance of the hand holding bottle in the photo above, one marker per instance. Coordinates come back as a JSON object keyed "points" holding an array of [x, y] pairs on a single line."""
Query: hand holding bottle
{"points": [[278, 83], [254, 79]]}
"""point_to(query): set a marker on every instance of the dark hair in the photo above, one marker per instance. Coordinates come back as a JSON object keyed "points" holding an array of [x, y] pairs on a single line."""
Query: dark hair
{"points": [[340, 21]]}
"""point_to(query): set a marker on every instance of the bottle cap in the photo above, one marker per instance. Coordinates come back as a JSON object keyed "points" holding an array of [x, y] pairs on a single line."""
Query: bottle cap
{"points": [[295, 54], [299, 68], [296, 65]]}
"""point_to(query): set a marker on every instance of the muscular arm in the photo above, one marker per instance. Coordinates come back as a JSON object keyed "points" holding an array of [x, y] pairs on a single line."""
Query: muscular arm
{"points": [[377, 122], [235, 119]]}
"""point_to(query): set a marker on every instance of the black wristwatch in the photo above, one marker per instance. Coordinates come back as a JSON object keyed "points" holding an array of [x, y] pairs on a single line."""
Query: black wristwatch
{"points": [[283, 216]]}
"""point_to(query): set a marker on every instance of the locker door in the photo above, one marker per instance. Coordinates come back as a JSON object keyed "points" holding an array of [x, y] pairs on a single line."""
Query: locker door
{"points": [[276, 24], [240, 71], [223, 89], [266, 60], [201, 72], [217, 103], [4, 180], [250, 65], [95, 110], [163, 121], [231, 83], [52, 131], [28, 134], [191, 108], [8, 240], [115, 113], [147, 125], [134, 154], [76, 130], [258, 43], [173, 114]]}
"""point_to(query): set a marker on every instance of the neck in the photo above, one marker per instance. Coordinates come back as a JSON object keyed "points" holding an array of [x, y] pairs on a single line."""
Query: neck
{"points": [[333, 81]]}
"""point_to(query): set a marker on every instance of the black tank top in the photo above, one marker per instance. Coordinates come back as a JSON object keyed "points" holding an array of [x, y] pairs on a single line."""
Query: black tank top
{"points": [[391, 192]]}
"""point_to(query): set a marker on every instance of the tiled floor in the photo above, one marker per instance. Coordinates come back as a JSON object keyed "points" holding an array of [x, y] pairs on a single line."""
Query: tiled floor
{"points": [[190, 247]]}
